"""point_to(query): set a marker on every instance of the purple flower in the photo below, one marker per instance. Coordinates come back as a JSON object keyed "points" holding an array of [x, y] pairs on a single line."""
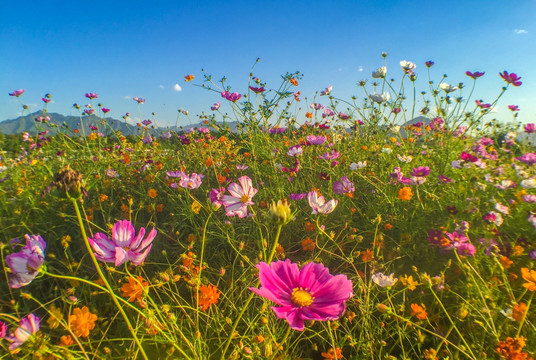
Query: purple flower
{"points": [[27, 327], [444, 179], [529, 128], [297, 196], [344, 186], [474, 75], [26, 263], [215, 196], [295, 150], [528, 158], [466, 249], [91, 96], [429, 63], [311, 293], [124, 245], [513, 108], [111, 173], [166, 135], [191, 181], [420, 171], [146, 122], [257, 90], [216, 106], [138, 100], [234, 97], [147, 140], [327, 156], [316, 140], [241, 195], [511, 78], [326, 91], [319, 204], [17, 93]]}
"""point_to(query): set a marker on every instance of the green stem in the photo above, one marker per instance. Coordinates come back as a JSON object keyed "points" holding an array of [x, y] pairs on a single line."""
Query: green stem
{"points": [[285, 337], [103, 278], [524, 316]]}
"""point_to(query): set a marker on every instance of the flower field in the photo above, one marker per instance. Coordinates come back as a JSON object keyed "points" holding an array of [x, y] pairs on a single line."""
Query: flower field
{"points": [[398, 224]]}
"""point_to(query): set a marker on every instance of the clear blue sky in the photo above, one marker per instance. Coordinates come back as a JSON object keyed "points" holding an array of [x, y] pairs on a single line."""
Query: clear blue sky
{"points": [[121, 49]]}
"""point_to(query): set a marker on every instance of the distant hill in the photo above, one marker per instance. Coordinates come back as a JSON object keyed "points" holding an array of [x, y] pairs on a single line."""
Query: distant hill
{"points": [[59, 122]]}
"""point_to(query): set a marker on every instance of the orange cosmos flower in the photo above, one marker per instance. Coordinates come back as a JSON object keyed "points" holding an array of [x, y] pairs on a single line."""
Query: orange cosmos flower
{"points": [[82, 321], [530, 277], [366, 255], [309, 115], [66, 340], [294, 82], [519, 311], [419, 311], [189, 77], [134, 289], [405, 194], [207, 295], [308, 244], [152, 193], [333, 355]]}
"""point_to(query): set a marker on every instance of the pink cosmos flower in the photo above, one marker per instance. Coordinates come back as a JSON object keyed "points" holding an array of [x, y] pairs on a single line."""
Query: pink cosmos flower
{"points": [[316, 140], [420, 171], [124, 245], [105, 110], [138, 100], [3, 329], [511, 78], [215, 196], [25, 264], [529, 128], [429, 64], [326, 91], [216, 106], [311, 293], [527, 158], [91, 96], [344, 186], [237, 203], [27, 327], [257, 90], [191, 181], [17, 93], [474, 75], [482, 105], [234, 97], [319, 204], [513, 108]]}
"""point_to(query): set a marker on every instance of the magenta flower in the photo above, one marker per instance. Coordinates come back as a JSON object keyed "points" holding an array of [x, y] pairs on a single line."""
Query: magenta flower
{"points": [[91, 96], [319, 204], [216, 106], [513, 108], [25, 264], [316, 140], [474, 75], [311, 293], [124, 245], [146, 122], [241, 195], [420, 171], [482, 105], [529, 128], [511, 78], [234, 97], [429, 64], [17, 93], [3, 329], [27, 327], [215, 196], [528, 158], [105, 110], [344, 186], [257, 90], [138, 100], [45, 100]]}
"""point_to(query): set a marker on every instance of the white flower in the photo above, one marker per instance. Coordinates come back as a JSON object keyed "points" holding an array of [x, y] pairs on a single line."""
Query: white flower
{"points": [[447, 88], [326, 91], [384, 280], [358, 165], [380, 73], [407, 66], [319, 204], [528, 183], [395, 129], [404, 158], [387, 150], [379, 98]]}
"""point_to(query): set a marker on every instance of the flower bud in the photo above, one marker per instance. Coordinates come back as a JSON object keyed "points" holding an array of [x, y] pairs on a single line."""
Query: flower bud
{"points": [[280, 212]]}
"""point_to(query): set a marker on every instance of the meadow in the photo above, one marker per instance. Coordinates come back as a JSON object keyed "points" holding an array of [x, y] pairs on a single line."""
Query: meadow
{"points": [[321, 228]]}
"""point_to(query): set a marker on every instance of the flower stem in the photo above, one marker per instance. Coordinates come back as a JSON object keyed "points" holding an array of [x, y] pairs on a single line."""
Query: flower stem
{"points": [[103, 278]]}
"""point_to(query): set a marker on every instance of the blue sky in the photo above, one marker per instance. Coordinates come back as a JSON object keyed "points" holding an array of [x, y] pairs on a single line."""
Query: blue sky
{"points": [[122, 49]]}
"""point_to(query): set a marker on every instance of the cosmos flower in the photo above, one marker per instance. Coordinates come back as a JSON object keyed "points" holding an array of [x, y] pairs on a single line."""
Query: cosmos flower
{"points": [[234, 97], [344, 186], [17, 93], [379, 98], [215, 196], [511, 78], [447, 88], [25, 264], [319, 204], [237, 203], [316, 140], [138, 100], [216, 106], [474, 75], [257, 90], [529, 128], [125, 245], [92, 96], [27, 327], [191, 181], [379, 73], [384, 280], [326, 91], [311, 293], [408, 67]]}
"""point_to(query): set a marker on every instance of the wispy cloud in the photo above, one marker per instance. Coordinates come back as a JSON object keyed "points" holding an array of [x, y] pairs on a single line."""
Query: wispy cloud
{"points": [[161, 86], [127, 97], [520, 31], [177, 87], [360, 68], [339, 69]]}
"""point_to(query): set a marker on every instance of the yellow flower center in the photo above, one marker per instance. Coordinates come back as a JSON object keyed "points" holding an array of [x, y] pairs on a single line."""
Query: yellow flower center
{"points": [[244, 199], [301, 297]]}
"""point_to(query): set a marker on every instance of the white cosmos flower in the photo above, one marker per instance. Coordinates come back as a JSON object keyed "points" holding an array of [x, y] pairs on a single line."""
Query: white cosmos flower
{"points": [[384, 280], [380, 73], [447, 88], [358, 165], [379, 98], [407, 66]]}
